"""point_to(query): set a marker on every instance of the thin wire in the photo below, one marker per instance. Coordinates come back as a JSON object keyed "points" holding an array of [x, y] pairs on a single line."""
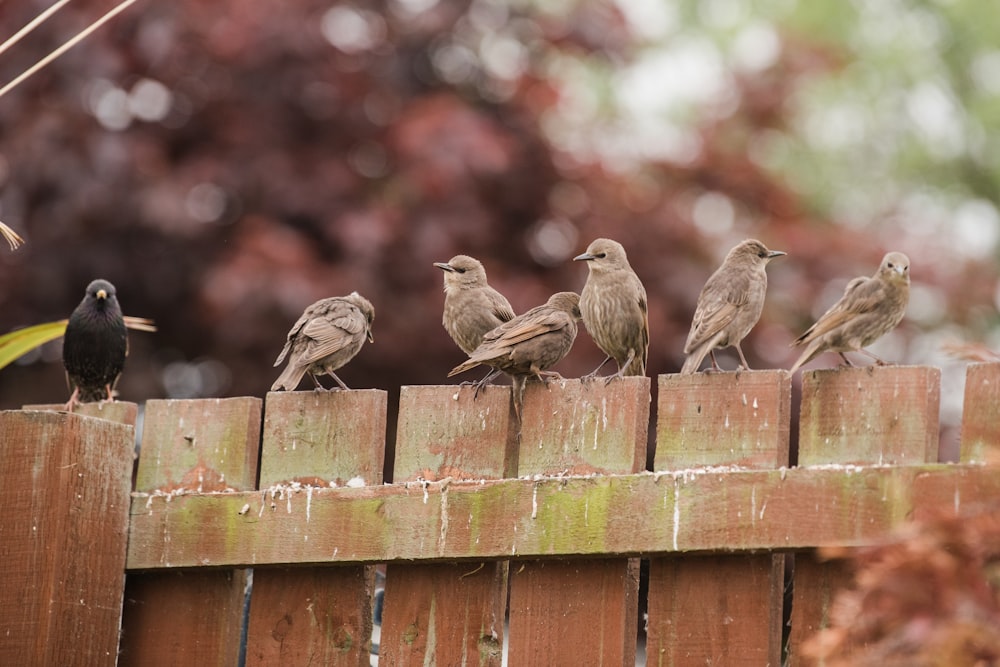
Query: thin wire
{"points": [[31, 26], [68, 45]]}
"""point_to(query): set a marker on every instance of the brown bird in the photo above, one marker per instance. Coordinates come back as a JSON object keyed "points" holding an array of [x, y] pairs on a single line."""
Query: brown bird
{"points": [[531, 343], [870, 308], [471, 307], [729, 305], [613, 303], [328, 335], [95, 345]]}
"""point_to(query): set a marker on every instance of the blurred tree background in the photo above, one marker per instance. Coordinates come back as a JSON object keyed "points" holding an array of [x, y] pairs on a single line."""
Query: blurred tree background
{"points": [[227, 163]]}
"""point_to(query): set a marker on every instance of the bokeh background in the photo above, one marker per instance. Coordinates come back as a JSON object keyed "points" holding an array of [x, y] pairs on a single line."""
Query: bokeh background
{"points": [[225, 163]]}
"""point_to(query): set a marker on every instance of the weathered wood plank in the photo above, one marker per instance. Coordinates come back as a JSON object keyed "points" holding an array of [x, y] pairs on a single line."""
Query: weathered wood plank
{"points": [[447, 613], [732, 621], [324, 438], [122, 412], [870, 415], [873, 414], [714, 419], [981, 415], [177, 618], [66, 481], [579, 428], [443, 431], [560, 611], [720, 610], [199, 445], [318, 615], [684, 512]]}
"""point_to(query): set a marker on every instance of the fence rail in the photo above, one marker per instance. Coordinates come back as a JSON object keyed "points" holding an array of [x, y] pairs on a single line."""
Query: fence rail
{"points": [[536, 529]]}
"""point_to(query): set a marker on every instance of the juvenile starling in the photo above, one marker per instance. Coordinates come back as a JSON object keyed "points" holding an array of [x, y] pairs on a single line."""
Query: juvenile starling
{"points": [[530, 343], [471, 306], [95, 345], [613, 303], [729, 305], [870, 308], [328, 335]]}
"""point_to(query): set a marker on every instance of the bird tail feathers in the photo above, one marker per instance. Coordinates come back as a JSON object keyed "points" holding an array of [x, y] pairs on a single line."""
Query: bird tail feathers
{"points": [[289, 378]]}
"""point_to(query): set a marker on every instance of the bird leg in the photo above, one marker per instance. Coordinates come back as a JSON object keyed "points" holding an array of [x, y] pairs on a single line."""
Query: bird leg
{"points": [[319, 385], [743, 360], [111, 396], [592, 374], [621, 368], [878, 360], [481, 384], [339, 381], [543, 376], [73, 400], [846, 360], [716, 368]]}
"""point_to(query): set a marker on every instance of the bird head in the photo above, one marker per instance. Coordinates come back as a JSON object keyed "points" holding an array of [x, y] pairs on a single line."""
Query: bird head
{"points": [[100, 291], [367, 309], [895, 267], [462, 271], [754, 251], [604, 255]]}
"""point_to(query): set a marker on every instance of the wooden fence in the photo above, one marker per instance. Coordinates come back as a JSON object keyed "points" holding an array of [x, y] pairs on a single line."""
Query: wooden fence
{"points": [[543, 524]]}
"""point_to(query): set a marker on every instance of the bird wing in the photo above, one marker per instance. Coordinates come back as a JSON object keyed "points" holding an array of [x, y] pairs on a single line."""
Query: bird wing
{"points": [[718, 305], [862, 295], [326, 336], [501, 307]]}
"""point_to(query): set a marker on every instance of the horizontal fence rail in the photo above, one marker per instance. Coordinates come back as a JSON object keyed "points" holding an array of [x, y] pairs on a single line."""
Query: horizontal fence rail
{"points": [[251, 530]]}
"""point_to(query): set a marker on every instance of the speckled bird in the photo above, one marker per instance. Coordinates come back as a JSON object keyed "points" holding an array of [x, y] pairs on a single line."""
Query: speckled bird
{"points": [[95, 345], [328, 335], [531, 343], [729, 305], [613, 303], [870, 308]]}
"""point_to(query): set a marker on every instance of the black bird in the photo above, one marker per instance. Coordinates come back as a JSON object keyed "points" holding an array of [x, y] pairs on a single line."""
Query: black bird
{"points": [[95, 345]]}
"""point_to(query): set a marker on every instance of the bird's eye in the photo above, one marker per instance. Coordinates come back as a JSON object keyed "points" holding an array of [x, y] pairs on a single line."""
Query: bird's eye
{"points": [[460, 270], [601, 255], [762, 254], [890, 265]]}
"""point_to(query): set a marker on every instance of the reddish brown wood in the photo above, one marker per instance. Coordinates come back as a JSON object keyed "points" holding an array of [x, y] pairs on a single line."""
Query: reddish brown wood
{"points": [[311, 616], [317, 615], [720, 511], [560, 611], [444, 431], [981, 415], [324, 438], [122, 412], [571, 427], [709, 419], [568, 613], [184, 618], [874, 414], [714, 610], [449, 614], [870, 415], [720, 610], [62, 537]]}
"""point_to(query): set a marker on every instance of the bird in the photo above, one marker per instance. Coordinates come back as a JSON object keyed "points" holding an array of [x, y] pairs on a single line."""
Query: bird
{"points": [[729, 305], [529, 344], [870, 308], [95, 345], [471, 307], [328, 335], [613, 303]]}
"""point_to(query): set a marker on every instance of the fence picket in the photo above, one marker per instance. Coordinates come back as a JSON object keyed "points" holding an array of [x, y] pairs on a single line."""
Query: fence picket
{"points": [[562, 611], [719, 610], [856, 416], [449, 613], [65, 480], [194, 618], [320, 615]]}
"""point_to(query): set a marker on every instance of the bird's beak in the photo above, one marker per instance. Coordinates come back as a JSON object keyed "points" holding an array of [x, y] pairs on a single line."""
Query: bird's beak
{"points": [[775, 253], [585, 257], [371, 337], [444, 266], [900, 269], [102, 295]]}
